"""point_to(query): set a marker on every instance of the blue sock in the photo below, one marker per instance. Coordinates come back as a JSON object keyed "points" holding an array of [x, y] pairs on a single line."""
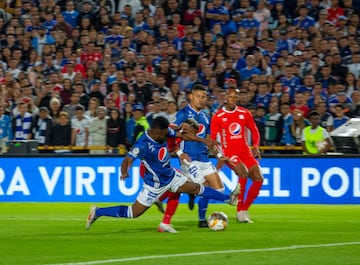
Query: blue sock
{"points": [[210, 193], [115, 211], [203, 204]]}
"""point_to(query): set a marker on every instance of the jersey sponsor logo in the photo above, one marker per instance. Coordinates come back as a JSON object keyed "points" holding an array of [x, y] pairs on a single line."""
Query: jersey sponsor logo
{"points": [[201, 132], [235, 128], [135, 151], [162, 154]]}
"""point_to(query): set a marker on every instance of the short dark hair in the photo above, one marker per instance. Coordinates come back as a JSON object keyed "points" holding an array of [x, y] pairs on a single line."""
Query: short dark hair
{"points": [[313, 113], [198, 87], [80, 107], [160, 123]]}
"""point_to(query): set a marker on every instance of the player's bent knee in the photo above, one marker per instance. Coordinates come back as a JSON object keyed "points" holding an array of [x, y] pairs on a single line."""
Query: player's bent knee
{"points": [[190, 187]]}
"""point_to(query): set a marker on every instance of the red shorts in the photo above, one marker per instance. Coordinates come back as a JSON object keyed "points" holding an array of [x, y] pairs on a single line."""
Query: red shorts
{"points": [[246, 158]]}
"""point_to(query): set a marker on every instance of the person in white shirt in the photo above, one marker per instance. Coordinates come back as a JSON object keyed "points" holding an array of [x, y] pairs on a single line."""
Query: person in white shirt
{"points": [[80, 128], [97, 130]]}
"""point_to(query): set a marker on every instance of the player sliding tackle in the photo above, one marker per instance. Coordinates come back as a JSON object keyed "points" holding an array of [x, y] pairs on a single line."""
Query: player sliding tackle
{"points": [[159, 176]]}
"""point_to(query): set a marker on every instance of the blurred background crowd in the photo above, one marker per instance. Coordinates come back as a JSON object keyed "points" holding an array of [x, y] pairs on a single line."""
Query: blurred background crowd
{"points": [[96, 73]]}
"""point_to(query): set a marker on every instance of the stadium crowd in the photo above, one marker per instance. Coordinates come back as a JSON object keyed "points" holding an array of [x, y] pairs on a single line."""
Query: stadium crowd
{"points": [[81, 73]]}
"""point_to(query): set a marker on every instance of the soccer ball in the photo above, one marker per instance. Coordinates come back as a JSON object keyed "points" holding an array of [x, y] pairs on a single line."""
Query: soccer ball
{"points": [[218, 221], [321, 145]]}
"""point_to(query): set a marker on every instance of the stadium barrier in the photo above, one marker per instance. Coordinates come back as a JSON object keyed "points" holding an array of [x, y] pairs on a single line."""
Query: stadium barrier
{"points": [[288, 179]]}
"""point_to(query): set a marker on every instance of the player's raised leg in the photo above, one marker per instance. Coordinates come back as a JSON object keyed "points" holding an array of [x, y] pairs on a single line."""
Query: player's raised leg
{"points": [[210, 193]]}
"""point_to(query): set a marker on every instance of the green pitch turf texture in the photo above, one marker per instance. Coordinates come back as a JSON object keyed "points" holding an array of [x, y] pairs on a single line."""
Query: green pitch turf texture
{"points": [[53, 233]]}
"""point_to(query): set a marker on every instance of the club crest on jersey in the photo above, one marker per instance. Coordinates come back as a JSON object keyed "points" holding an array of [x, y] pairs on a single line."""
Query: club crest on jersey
{"points": [[201, 132], [162, 154], [235, 128]]}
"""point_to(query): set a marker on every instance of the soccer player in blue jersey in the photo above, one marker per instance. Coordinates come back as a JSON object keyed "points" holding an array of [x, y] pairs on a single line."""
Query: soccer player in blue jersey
{"points": [[198, 151], [159, 176]]}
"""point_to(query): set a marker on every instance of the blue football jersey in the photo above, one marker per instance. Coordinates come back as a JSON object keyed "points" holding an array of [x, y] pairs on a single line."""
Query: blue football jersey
{"points": [[196, 150], [156, 159]]}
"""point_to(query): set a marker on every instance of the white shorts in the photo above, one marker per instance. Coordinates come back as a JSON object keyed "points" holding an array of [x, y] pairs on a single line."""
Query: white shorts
{"points": [[148, 195], [197, 171]]}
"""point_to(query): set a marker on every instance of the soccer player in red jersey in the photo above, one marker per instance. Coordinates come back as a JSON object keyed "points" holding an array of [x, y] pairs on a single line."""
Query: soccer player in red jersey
{"points": [[230, 126]]}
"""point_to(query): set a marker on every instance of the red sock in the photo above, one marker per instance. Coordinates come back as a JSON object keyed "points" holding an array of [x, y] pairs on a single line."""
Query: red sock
{"points": [[164, 196], [252, 194], [171, 206], [240, 204]]}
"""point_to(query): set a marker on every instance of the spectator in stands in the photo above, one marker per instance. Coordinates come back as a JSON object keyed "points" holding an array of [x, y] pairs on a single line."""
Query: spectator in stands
{"points": [[43, 126], [55, 108], [228, 74], [192, 12], [340, 117], [6, 134], [303, 21], [287, 138], [326, 79], [350, 84], [326, 119], [291, 83], [156, 112], [354, 66], [300, 104], [249, 23], [355, 97], [92, 111], [22, 123], [80, 129], [171, 111], [71, 15], [340, 98], [61, 132], [40, 39], [175, 94], [117, 95], [263, 96], [142, 88], [116, 132], [298, 125], [334, 12], [259, 118], [273, 125], [98, 130], [250, 69], [262, 14], [338, 70], [70, 108]]}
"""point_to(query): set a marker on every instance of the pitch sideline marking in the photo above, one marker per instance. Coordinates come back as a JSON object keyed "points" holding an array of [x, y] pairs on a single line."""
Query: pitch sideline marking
{"points": [[209, 253]]}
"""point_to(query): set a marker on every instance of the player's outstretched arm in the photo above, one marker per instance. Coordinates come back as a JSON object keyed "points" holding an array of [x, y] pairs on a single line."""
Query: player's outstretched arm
{"points": [[125, 165]]}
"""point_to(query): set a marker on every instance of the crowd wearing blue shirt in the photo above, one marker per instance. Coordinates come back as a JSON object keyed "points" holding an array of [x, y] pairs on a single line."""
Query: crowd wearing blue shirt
{"points": [[283, 51]]}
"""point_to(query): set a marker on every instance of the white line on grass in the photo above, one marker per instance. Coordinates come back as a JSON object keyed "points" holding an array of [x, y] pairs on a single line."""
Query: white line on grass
{"points": [[208, 253]]}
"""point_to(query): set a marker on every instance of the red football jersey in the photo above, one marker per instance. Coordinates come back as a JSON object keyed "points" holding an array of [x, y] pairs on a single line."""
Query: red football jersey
{"points": [[230, 128]]}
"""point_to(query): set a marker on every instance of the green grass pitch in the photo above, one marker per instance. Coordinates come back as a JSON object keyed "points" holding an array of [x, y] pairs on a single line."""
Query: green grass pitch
{"points": [[53, 233]]}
